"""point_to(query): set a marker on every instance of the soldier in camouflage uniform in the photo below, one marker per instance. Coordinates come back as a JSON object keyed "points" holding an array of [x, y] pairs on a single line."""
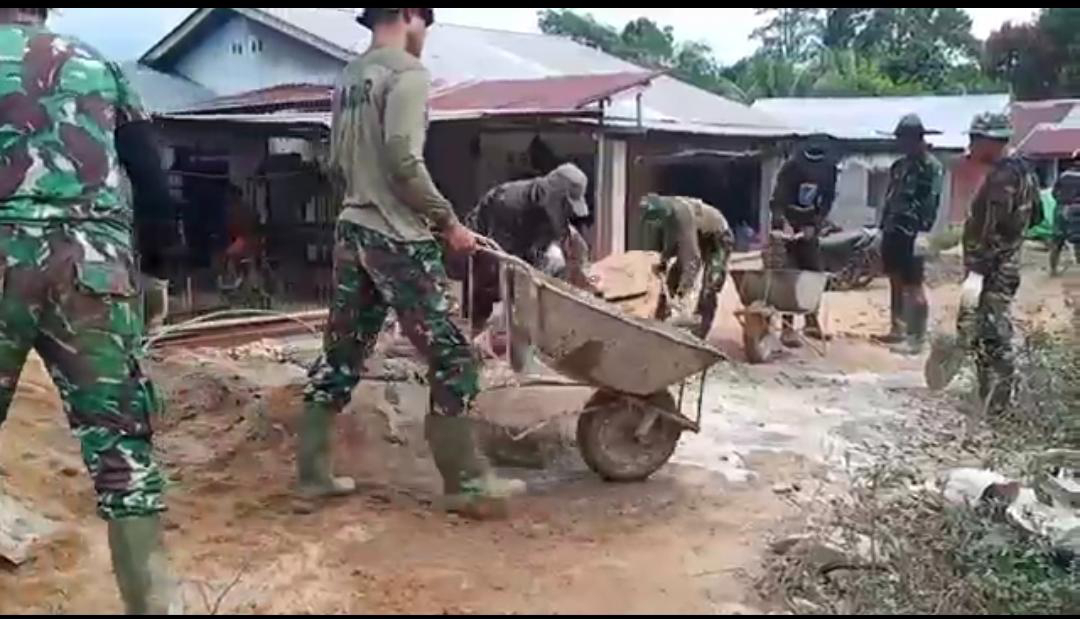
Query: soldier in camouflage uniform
{"points": [[387, 257], [68, 274], [700, 240], [1001, 212], [525, 218], [911, 206], [804, 196], [1067, 218]]}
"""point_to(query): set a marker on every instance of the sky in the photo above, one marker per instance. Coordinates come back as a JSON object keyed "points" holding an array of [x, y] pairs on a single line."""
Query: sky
{"points": [[125, 33]]}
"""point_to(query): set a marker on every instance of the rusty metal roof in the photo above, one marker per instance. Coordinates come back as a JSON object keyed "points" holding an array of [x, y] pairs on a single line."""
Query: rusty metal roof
{"points": [[558, 94], [274, 99], [1027, 115], [1054, 140], [566, 93]]}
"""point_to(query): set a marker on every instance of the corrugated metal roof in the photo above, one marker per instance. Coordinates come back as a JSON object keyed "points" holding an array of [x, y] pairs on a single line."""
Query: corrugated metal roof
{"points": [[1026, 115], [1056, 140], [457, 54], [571, 92], [866, 118], [276, 98], [162, 92]]}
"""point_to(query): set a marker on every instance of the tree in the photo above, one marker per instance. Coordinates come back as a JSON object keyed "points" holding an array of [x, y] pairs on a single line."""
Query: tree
{"points": [[1041, 60], [841, 26], [583, 29], [790, 33], [645, 43], [1062, 27], [1026, 58], [919, 45]]}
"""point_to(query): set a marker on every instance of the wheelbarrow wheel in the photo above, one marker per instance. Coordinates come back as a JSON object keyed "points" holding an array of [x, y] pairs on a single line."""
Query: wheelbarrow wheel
{"points": [[622, 442], [755, 337]]}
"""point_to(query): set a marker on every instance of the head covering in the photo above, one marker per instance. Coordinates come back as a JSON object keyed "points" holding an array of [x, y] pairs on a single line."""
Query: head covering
{"points": [[654, 210], [992, 126], [370, 16], [911, 124], [569, 181]]}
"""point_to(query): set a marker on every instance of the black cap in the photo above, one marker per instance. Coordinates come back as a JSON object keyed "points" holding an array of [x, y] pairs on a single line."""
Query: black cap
{"points": [[370, 16]]}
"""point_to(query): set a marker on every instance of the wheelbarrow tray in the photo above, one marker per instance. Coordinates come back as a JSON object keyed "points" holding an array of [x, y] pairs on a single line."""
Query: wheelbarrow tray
{"points": [[789, 291], [590, 340]]}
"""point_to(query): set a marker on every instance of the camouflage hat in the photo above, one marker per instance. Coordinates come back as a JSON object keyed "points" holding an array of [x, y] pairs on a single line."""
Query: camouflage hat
{"points": [[654, 210], [992, 126], [911, 124], [370, 16], [569, 179]]}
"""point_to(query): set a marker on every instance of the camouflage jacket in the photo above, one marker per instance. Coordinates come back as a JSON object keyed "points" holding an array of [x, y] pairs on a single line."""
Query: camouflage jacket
{"points": [[1000, 214], [525, 218], [60, 104], [692, 222], [913, 196]]}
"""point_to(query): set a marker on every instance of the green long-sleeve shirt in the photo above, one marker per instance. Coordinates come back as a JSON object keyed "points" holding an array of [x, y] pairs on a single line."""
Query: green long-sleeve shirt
{"points": [[380, 118]]}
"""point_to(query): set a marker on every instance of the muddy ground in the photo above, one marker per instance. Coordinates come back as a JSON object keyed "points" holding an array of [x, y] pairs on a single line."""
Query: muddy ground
{"points": [[776, 439]]}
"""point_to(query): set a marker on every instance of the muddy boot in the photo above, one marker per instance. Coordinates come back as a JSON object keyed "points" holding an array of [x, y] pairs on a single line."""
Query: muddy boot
{"points": [[470, 487], [813, 329], [789, 337], [918, 316], [141, 567], [314, 470], [944, 363], [897, 327]]}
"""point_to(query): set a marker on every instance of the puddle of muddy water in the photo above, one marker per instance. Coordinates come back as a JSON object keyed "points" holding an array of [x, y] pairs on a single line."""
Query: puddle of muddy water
{"points": [[839, 419]]}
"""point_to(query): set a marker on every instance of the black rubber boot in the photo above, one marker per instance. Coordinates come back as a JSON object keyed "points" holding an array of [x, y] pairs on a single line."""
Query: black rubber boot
{"points": [[789, 337], [918, 317], [141, 567], [896, 334]]}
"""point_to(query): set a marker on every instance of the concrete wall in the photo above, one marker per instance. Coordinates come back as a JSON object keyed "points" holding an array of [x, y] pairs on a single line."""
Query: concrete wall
{"points": [[263, 58]]}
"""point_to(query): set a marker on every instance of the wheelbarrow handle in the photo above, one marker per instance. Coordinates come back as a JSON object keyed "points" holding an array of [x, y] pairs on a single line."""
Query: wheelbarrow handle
{"points": [[489, 247]]}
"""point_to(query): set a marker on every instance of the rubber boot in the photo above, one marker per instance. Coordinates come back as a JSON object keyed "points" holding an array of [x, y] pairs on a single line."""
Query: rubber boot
{"points": [[896, 316], [1055, 258], [918, 316], [470, 487], [313, 461], [789, 337], [141, 567], [813, 329], [944, 363]]}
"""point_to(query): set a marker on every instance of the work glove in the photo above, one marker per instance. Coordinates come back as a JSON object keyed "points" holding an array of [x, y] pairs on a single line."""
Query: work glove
{"points": [[971, 291]]}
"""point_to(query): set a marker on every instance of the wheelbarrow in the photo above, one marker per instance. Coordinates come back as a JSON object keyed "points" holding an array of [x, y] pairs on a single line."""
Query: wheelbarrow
{"points": [[765, 293], [631, 425]]}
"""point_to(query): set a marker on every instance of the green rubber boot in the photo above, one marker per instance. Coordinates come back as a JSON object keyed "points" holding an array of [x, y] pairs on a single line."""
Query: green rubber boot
{"points": [[918, 318], [313, 462], [471, 488], [141, 567]]}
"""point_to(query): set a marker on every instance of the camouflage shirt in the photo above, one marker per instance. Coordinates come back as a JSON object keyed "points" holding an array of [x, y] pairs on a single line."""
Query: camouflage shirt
{"points": [[1000, 214], [60, 103], [692, 221], [911, 202]]}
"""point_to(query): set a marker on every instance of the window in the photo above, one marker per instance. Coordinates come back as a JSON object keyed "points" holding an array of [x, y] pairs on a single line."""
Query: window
{"points": [[237, 48], [876, 187]]}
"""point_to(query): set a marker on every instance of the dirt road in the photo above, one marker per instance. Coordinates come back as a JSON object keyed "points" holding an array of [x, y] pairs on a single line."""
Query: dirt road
{"points": [[689, 541]]}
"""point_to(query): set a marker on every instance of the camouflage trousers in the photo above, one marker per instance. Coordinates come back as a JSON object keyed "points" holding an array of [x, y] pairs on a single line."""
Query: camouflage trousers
{"points": [[986, 332], [372, 275], [71, 297], [714, 265]]}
